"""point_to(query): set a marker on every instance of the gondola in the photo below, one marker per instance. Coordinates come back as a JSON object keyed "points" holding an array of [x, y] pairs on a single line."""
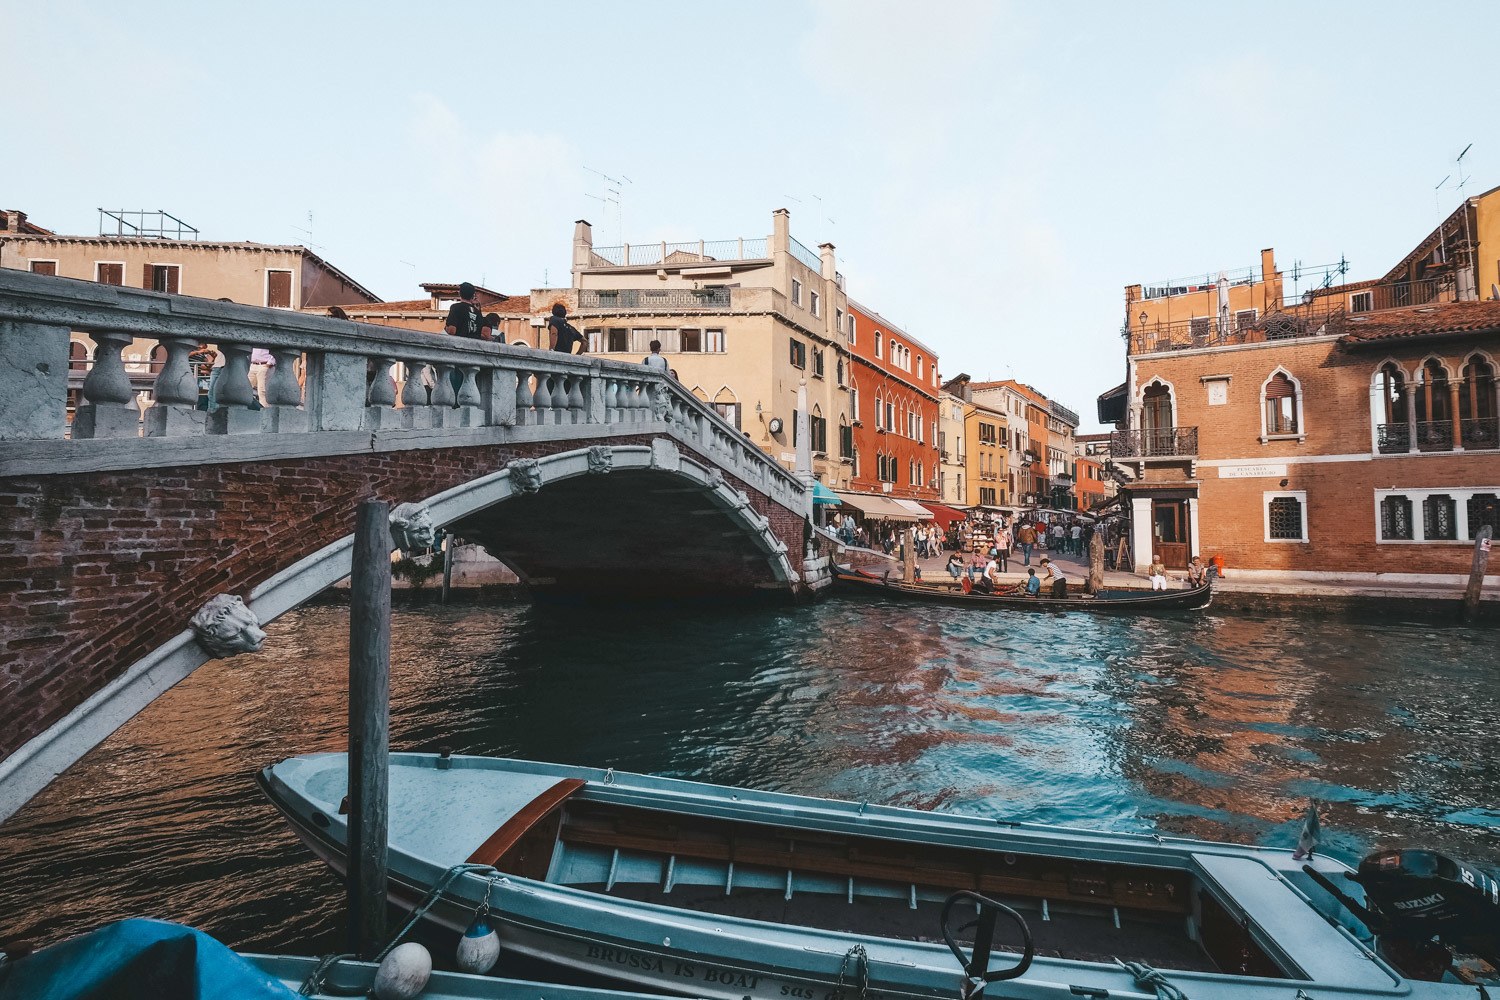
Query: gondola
{"points": [[736, 894], [1118, 601]]}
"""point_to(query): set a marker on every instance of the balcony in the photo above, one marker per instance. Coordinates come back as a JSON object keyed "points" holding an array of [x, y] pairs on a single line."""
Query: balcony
{"points": [[1434, 435], [1155, 442], [1481, 434], [653, 298], [669, 254], [1393, 439]]}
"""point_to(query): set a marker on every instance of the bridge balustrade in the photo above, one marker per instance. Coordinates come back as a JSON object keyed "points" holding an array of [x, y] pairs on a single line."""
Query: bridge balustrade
{"points": [[333, 379]]}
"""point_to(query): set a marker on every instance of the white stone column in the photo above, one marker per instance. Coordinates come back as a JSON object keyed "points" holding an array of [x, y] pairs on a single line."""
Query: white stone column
{"points": [[109, 409], [1194, 547], [1140, 533], [174, 409]]}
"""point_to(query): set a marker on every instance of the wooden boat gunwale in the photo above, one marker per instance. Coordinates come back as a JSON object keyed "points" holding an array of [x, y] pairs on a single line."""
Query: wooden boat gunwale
{"points": [[540, 914]]}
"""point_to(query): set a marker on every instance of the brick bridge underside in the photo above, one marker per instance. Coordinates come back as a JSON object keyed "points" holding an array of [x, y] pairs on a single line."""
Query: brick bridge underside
{"points": [[100, 571]]}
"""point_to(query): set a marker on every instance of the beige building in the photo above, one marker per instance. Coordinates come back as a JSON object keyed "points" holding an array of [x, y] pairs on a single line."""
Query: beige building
{"points": [[952, 479], [743, 322], [143, 256]]}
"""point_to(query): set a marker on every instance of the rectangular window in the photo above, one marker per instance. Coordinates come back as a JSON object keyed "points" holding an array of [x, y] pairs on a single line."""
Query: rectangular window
{"points": [[617, 340], [986, 496], [1395, 519], [817, 366], [890, 415], [1244, 319], [713, 341], [278, 289], [671, 340], [109, 273], [1484, 508], [838, 320], [846, 441], [817, 428], [919, 366], [44, 267], [813, 304], [640, 341], [796, 292], [1281, 415], [161, 278], [592, 337], [853, 335], [877, 343], [1361, 302], [1198, 329], [692, 341], [1286, 517], [854, 404], [798, 353], [1440, 518]]}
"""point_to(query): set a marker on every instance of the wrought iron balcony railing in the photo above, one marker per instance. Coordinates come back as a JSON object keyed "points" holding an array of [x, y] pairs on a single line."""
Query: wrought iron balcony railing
{"points": [[1155, 442], [1434, 435], [690, 253], [1481, 434], [1393, 439], [653, 298]]}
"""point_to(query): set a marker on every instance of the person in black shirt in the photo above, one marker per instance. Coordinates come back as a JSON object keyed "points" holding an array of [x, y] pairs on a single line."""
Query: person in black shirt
{"points": [[564, 334], [464, 318]]}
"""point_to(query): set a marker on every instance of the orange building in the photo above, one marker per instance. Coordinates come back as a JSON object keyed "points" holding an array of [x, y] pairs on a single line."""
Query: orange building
{"points": [[893, 400]]}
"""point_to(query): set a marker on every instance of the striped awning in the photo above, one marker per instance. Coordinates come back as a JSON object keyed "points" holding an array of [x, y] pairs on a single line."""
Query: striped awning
{"points": [[883, 508]]}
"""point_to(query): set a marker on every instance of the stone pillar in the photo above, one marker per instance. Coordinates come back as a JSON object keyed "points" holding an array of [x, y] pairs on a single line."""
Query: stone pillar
{"points": [[597, 386], [1140, 533], [109, 410], [1458, 433], [336, 391], [1411, 419], [781, 232], [1194, 547], [497, 389], [33, 381], [174, 411]]}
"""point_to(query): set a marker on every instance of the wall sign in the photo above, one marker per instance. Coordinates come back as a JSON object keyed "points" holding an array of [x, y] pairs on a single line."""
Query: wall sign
{"points": [[1252, 471]]}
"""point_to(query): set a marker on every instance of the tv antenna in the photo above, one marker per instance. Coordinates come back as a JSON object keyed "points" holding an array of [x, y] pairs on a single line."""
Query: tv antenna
{"points": [[613, 188], [1463, 178]]}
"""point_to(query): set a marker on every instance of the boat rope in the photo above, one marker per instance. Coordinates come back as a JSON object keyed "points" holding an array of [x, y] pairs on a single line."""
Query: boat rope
{"points": [[314, 983], [1146, 976], [861, 968]]}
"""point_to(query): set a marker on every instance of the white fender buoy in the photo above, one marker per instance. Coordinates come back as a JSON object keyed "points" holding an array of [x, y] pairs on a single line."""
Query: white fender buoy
{"points": [[404, 973], [479, 948]]}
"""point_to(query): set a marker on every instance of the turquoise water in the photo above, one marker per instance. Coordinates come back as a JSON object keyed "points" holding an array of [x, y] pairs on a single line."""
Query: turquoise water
{"points": [[1214, 726]]}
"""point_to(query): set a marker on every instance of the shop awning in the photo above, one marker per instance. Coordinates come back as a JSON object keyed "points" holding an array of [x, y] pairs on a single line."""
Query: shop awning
{"points": [[823, 496], [882, 508], [915, 508], [944, 514]]}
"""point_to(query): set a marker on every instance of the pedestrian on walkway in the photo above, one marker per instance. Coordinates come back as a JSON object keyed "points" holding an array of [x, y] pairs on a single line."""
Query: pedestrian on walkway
{"points": [[1077, 538], [564, 334], [1026, 535], [654, 360]]}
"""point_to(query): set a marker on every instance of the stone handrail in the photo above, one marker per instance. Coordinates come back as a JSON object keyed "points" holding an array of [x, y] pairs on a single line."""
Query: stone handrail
{"points": [[504, 392]]}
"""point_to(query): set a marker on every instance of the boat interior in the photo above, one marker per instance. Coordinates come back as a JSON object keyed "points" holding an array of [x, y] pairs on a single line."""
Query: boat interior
{"points": [[874, 887]]}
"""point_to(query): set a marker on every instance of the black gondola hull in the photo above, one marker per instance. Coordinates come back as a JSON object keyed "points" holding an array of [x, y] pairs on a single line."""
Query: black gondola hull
{"points": [[1110, 601]]}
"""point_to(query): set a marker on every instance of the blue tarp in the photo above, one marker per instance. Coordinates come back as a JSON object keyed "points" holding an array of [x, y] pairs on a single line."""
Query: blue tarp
{"points": [[823, 495], [138, 960]]}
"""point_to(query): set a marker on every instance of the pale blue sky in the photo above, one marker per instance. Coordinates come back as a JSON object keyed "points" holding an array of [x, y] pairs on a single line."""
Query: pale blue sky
{"points": [[992, 173]]}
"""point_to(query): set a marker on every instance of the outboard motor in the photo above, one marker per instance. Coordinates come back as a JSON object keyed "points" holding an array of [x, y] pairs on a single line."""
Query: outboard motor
{"points": [[1416, 896]]}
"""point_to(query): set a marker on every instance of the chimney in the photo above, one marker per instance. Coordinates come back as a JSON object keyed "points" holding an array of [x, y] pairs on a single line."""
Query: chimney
{"points": [[830, 263], [15, 220], [1267, 264], [781, 231], [583, 248]]}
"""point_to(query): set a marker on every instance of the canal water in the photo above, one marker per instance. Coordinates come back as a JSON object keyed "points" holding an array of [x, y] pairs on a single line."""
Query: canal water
{"points": [[1213, 726]]}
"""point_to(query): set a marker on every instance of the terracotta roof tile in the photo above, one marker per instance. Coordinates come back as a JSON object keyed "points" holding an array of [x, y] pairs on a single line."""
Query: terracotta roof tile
{"points": [[1444, 319]]}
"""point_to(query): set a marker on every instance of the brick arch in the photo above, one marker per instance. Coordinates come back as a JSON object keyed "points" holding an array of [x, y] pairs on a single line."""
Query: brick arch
{"points": [[121, 560]]}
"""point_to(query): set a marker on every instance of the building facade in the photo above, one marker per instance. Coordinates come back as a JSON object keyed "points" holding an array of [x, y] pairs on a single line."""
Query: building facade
{"points": [[1352, 429], [744, 323], [893, 405], [953, 479], [986, 446]]}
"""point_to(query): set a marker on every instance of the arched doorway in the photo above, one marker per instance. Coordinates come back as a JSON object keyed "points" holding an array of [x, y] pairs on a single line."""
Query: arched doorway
{"points": [[1157, 425]]}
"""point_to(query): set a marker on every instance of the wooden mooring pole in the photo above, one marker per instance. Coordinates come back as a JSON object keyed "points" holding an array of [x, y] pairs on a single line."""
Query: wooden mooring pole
{"points": [[1476, 572], [909, 556], [448, 543], [1096, 562], [369, 726]]}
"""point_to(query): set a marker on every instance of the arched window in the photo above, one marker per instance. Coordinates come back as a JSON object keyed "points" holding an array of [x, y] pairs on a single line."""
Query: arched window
{"points": [[1389, 410], [159, 358], [1282, 401], [879, 412], [846, 438], [1477, 404], [1434, 408], [728, 405], [78, 356], [698, 392], [1157, 427]]}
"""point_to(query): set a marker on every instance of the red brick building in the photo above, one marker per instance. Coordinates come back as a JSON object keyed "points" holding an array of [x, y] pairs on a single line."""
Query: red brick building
{"points": [[1364, 442], [893, 396]]}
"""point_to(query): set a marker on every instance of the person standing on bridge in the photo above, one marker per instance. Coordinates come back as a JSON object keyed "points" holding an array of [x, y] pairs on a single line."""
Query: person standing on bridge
{"points": [[564, 334], [465, 320], [655, 360]]}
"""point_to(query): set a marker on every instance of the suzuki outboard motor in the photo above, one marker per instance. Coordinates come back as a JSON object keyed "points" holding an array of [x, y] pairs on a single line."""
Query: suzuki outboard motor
{"points": [[1417, 896]]}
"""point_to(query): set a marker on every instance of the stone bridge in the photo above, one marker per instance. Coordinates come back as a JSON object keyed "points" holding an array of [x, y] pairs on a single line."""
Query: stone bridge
{"points": [[582, 475]]}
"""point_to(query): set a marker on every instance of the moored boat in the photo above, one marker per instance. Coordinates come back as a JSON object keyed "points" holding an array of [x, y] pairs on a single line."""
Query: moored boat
{"points": [[697, 889], [1116, 600]]}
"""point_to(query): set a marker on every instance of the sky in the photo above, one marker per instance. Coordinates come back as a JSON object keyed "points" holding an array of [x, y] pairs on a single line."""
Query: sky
{"points": [[993, 174]]}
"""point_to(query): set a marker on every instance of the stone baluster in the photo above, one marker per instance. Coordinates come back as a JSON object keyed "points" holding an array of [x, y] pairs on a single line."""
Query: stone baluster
{"points": [[283, 412], [577, 405], [443, 396], [109, 409], [469, 413], [525, 398], [174, 410], [416, 409], [235, 395], [630, 403], [558, 402], [381, 400], [611, 400]]}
